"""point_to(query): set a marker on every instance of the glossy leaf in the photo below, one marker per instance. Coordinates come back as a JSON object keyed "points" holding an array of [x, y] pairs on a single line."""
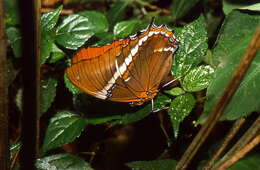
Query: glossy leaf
{"points": [[14, 38], [228, 6], [234, 37], [180, 107], [63, 128], [62, 161], [248, 162], [47, 94], [160, 102], [73, 89], [125, 28], [97, 19], [153, 165], [49, 20], [176, 91], [47, 42], [181, 8], [74, 31], [193, 46], [56, 54], [198, 79], [116, 12]]}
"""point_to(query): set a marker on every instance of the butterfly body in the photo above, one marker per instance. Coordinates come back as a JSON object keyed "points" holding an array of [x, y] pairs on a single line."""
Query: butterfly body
{"points": [[129, 70]]}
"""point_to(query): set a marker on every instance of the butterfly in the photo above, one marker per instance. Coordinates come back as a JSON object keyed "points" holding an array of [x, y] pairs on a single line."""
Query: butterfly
{"points": [[128, 70]]}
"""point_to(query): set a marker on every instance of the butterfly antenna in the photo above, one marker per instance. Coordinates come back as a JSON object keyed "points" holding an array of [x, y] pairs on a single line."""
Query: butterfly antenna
{"points": [[170, 82], [152, 105]]}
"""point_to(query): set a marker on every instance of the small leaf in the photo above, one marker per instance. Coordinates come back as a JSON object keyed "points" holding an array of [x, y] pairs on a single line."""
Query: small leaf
{"points": [[49, 20], [228, 6], [62, 161], [166, 164], [14, 38], [160, 102], [125, 28], [56, 54], [74, 31], [46, 45], [192, 48], [198, 78], [116, 13], [73, 89], [181, 8], [176, 91], [47, 94], [180, 107], [63, 128], [14, 148]]}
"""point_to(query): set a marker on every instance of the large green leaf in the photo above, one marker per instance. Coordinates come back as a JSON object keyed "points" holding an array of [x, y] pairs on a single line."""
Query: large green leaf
{"points": [[153, 165], [73, 89], [47, 94], [125, 28], [116, 12], [74, 31], [180, 107], [229, 5], [193, 46], [234, 38], [198, 78], [49, 20], [62, 161], [14, 38], [63, 128], [180, 8]]}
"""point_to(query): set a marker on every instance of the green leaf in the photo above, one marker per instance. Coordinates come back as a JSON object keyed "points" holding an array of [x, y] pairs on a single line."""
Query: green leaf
{"points": [[49, 20], [56, 54], [116, 13], [176, 91], [192, 48], [14, 38], [14, 148], [234, 37], [198, 78], [100, 120], [166, 164], [125, 28], [47, 94], [248, 162], [181, 8], [62, 161], [180, 107], [228, 5], [63, 128], [73, 89], [11, 12], [160, 102], [74, 31], [46, 45], [97, 19], [105, 38]]}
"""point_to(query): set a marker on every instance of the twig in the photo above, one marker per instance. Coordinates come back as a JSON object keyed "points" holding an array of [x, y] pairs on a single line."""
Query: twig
{"points": [[4, 142], [63, 11], [223, 101], [243, 141], [153, 7], [240, 154], [233, 131]]}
